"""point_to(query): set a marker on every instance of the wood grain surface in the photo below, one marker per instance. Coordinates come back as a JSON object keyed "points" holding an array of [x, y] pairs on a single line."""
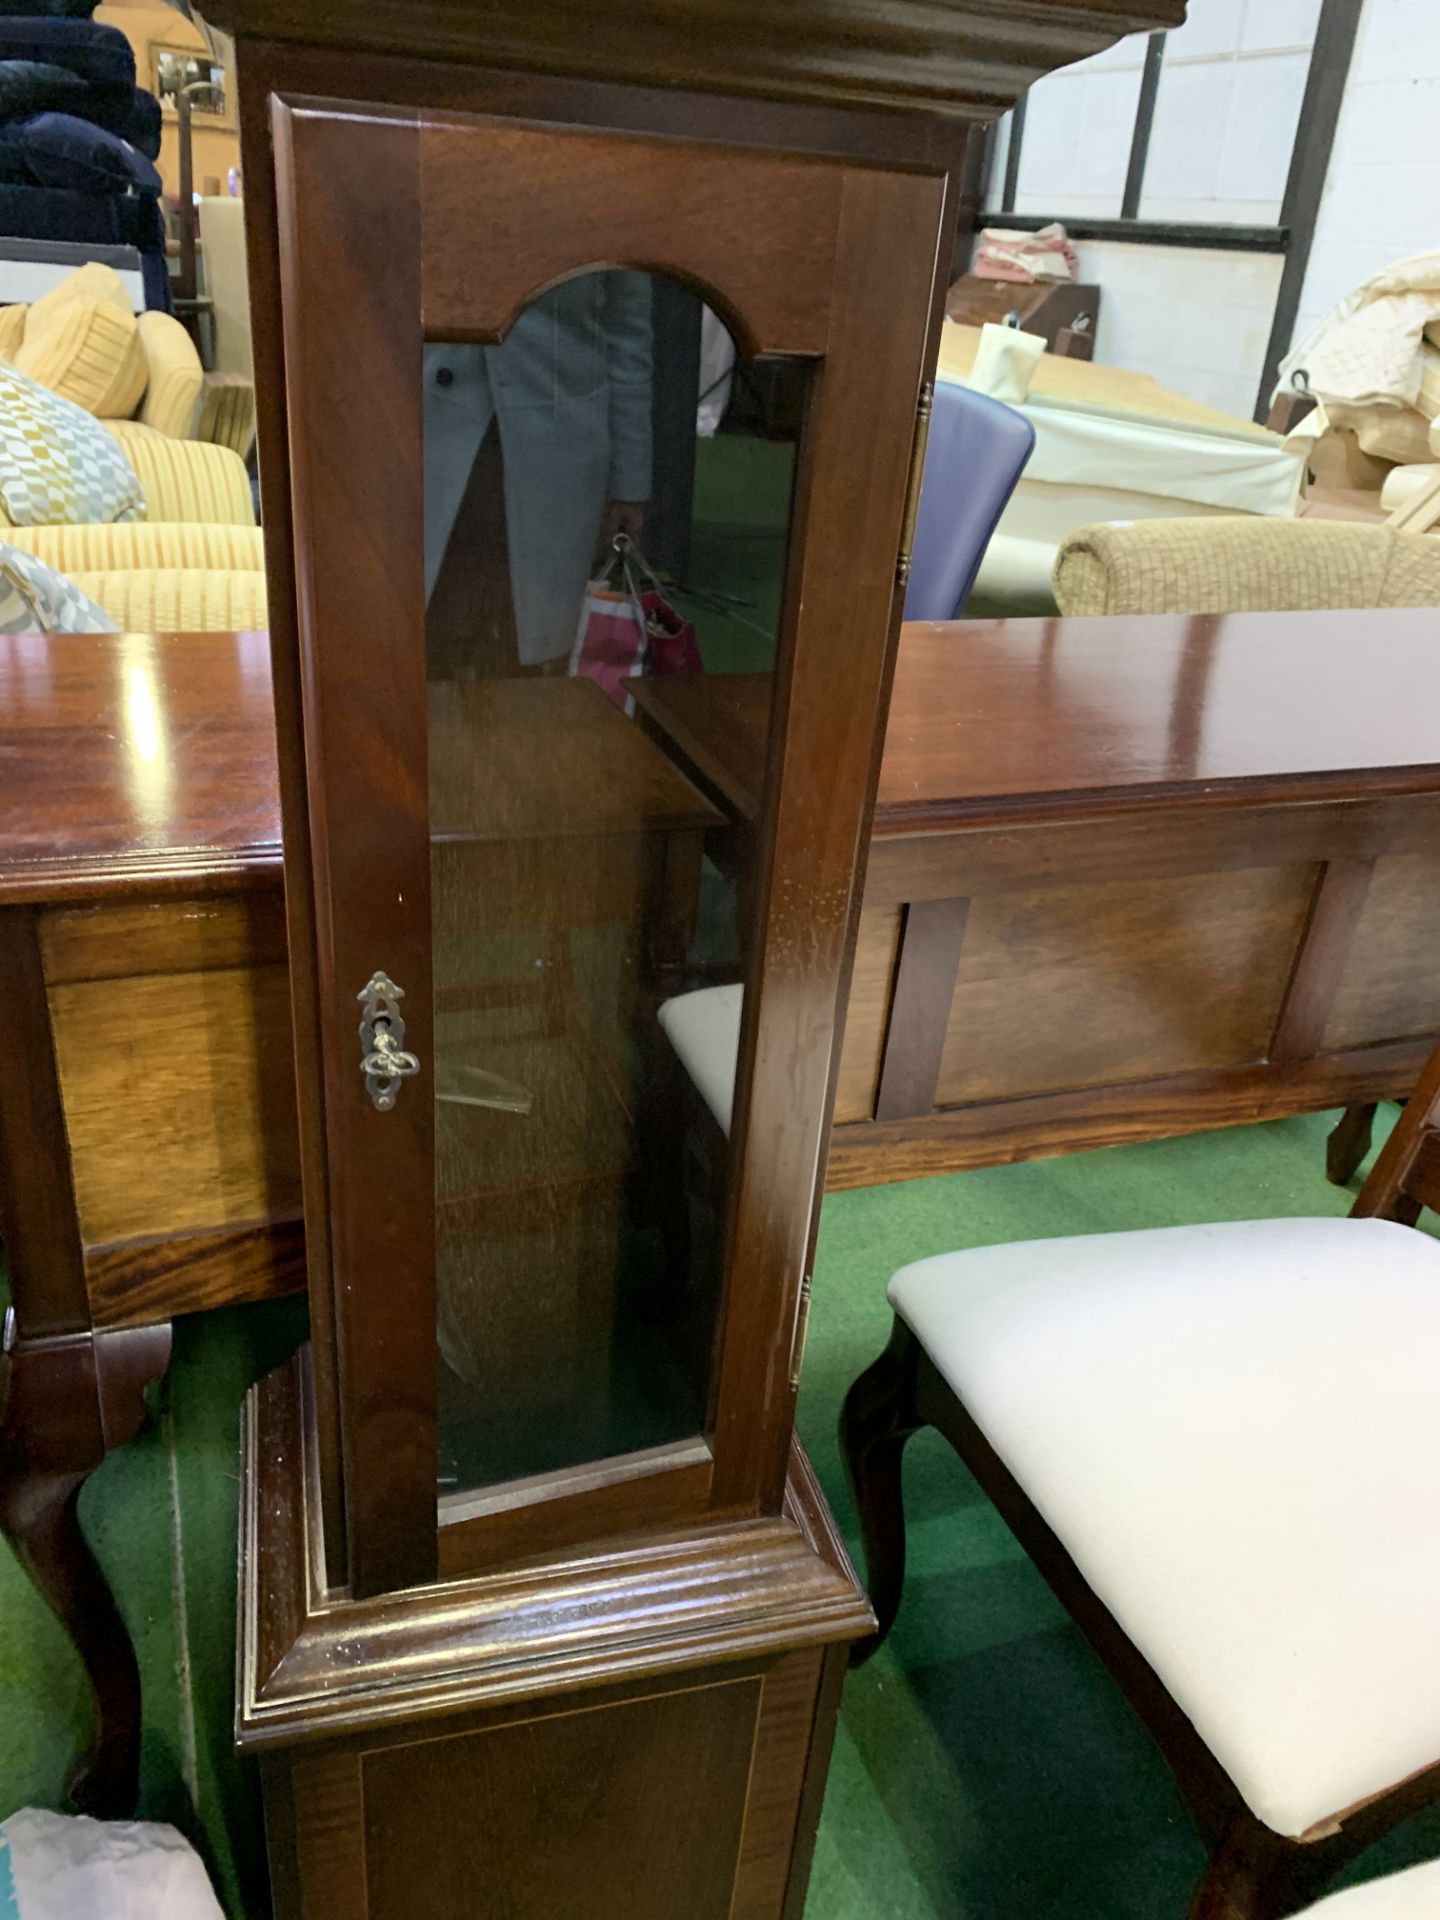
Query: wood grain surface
{"points": [[136, 762], [989, 717], [770, 279], [954, 57]]}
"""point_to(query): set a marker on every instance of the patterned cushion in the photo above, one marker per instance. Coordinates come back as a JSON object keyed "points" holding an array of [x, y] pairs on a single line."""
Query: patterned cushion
{"points": [[36, 599], [57, 465], [85, 347]]}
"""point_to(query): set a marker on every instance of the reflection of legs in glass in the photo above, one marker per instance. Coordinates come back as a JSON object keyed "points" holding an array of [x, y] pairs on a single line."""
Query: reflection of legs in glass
{"points": [[470, 619]]}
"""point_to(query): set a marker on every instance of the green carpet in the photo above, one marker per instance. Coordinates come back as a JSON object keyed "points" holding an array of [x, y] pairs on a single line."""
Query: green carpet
{"points": [[985, 1767]]}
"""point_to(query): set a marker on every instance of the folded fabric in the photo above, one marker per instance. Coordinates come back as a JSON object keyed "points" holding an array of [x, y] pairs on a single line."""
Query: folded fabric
{"points": [[62, 150], [59, 1867], [32, 86], [35, 598], [99, 54], [58, 465], [38, 86], [1004, 253]]}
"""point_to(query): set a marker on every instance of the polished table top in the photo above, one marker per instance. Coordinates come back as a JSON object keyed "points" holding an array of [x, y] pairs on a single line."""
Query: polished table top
{"points": [[994, 717], [135, 759], [148, 761]]}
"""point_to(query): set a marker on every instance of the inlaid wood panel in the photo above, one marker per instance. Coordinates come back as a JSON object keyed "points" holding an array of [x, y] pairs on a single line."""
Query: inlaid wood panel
{"points": [[179, 1095], [1387, 991], [327, 1793], [777, 1779], [871, 986], [641, 1802], [1077, 986]]}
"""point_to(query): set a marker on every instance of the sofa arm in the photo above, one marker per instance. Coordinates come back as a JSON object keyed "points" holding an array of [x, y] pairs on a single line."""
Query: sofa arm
{"points": [[227, 412], [175, 376], [179, 599], [186, 479], [143, 544], [1226, 564]]}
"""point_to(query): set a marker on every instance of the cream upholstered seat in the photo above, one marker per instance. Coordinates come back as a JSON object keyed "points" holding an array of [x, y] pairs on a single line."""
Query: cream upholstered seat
{"points": [[1234, 1431], [704, 1029], [1413, 1895]]}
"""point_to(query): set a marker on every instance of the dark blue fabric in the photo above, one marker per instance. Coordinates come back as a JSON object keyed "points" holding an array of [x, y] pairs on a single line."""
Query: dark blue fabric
{"points": [[38, 86], [61, 9], [33, 86], [95, 219], [61, 150], [99, 54], [143, 130]]}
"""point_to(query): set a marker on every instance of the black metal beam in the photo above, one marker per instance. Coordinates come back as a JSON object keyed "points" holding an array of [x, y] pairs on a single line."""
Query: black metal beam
{"points": [[1012, 155], [1309, 163], [1151, 233], [1144, 121]]}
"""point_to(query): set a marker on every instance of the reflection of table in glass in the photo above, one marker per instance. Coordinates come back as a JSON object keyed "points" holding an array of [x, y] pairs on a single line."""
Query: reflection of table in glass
{"points": [[1128, 878], [565, 871]]}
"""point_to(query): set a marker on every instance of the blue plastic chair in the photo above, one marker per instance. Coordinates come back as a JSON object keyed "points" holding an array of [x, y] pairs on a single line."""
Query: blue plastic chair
{"points": [[978, 449]]}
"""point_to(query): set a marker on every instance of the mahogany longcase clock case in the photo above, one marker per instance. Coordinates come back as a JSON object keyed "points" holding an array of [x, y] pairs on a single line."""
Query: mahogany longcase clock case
{"points": [[542, 1610]]}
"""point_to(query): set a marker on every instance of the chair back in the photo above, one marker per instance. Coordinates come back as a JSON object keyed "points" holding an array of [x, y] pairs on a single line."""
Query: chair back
{"points": [[978, 449]]}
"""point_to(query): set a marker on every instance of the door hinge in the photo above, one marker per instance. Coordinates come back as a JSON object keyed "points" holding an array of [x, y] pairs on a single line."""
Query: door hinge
{"points": [[917, 474], [802, 1327]]}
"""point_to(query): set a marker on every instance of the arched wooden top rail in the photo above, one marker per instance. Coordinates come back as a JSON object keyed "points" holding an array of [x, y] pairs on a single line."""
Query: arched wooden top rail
{"points": [[538, 205]]}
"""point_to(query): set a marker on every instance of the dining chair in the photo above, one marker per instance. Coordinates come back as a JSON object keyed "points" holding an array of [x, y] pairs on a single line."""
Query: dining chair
{"points": [[975, 455], [1219, 1444]]}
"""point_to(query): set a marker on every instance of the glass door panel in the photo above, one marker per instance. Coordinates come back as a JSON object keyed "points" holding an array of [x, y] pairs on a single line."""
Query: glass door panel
{"points": [[607, 502]]}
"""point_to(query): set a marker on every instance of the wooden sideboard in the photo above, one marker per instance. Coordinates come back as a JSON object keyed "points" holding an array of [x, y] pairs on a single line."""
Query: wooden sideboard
{"points": [[1127, 878]]}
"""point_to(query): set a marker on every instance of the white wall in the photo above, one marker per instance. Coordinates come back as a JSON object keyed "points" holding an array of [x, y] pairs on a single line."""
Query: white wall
{"points": [[1231, 83], [1382, 193], [1225, 120], [1230, 91], [1198, 320]]}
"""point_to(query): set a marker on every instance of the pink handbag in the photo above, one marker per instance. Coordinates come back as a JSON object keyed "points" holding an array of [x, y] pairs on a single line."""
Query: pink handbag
{"points": [[628, 628]]}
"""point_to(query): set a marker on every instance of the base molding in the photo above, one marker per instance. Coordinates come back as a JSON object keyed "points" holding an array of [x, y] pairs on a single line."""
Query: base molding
{"points": [[642, 1729]]}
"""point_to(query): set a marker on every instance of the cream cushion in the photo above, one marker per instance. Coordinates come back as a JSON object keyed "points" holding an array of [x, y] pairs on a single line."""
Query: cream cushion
{"points": [[81, 340], [1413, 1895], [1235, 1432], [704, 1029]]}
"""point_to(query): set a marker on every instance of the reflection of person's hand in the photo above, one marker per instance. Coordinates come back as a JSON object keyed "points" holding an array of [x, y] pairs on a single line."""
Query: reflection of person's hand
{"points": [[627, 517]]}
